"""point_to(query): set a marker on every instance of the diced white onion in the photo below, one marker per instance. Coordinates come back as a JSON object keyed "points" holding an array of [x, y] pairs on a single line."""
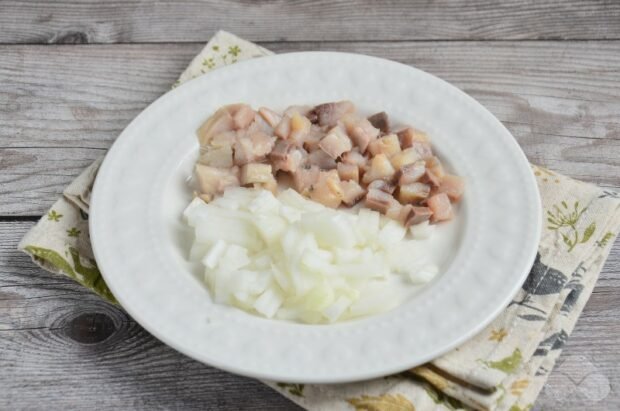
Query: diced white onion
{"points": [[291, 258]]}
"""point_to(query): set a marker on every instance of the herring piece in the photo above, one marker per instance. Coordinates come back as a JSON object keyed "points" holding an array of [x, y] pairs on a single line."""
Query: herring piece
{"points": [[441, 207], [221, 157], [352, 192], [424, 149], [355, 157], [388, 145], [327, 190], [380, 168], [405, 157], [322, 160], [305, 177], [328, 114], [283, 129], [418, 215], [213, 180], [380, 121], [383, 186], [299, 129], [453, 186], [221, 121], [271, 117], [409, 135], [361, 132], [348, 172], [336, 142], [243, 116], [434, 165], [414, 192], [286, 157], [313, 138], [379, 200], [411, 173], [256, 173]]}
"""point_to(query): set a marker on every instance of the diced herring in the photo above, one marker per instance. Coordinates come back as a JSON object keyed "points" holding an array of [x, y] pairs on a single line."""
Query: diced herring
{"points": [[361, 132], [286, 157], [411, 173], [262, 144], [380, 121], [327, 189], [388, 145], [328, 114], [405, 157], [424, 149], [213, 180], [440, 206], [355, 157], [313, 138], [409, 135], [380, 168], [383, 186], [453, 186], [418, 215], [218, 123], [305, 177], [434, 165], [283, 129], [216, 156], [336, 142], [243, 116], [299, 128], [380, 200], [271, 117], [322, 160], [414, 192], [348, 172], [352, 192], [256, 173]]}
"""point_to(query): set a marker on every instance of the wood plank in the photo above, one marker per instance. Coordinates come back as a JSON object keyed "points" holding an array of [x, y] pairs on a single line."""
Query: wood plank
{"points": [[89, 21], [74, 349], [559, 99]]}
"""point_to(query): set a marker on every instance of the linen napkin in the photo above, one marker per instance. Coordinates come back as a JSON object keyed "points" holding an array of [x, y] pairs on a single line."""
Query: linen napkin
{"points": [[504, 367]]}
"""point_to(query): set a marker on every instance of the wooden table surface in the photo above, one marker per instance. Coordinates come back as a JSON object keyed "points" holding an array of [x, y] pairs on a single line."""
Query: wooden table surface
{"points": [[74, 73]]}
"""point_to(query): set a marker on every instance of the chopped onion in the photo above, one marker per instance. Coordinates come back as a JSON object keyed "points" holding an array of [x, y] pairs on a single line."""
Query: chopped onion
{"points": [[291, 258]]}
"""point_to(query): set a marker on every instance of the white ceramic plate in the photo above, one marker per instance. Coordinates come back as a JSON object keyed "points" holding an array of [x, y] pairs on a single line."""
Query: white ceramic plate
{"points": [[141, 246]]}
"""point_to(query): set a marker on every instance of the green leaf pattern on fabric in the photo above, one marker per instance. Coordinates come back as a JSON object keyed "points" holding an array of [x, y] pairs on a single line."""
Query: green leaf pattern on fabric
{"points": [[605, 239], [229, 56], [564, 220], [54, 216], [52, 258], [508, 364], [295, 389], [87, 276], [73, 232], [516, 407], [440, 398], [91, 275], [385, 402]]}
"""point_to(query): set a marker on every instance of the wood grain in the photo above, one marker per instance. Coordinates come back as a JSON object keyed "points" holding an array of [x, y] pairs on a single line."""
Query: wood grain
{"points": [[79, 352], [62, 106], [64, 344], [90, 21]]}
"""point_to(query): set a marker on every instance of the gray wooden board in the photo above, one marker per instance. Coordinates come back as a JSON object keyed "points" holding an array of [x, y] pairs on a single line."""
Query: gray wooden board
{"points": [[62, 344], [62, 106], [91, 21]]}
